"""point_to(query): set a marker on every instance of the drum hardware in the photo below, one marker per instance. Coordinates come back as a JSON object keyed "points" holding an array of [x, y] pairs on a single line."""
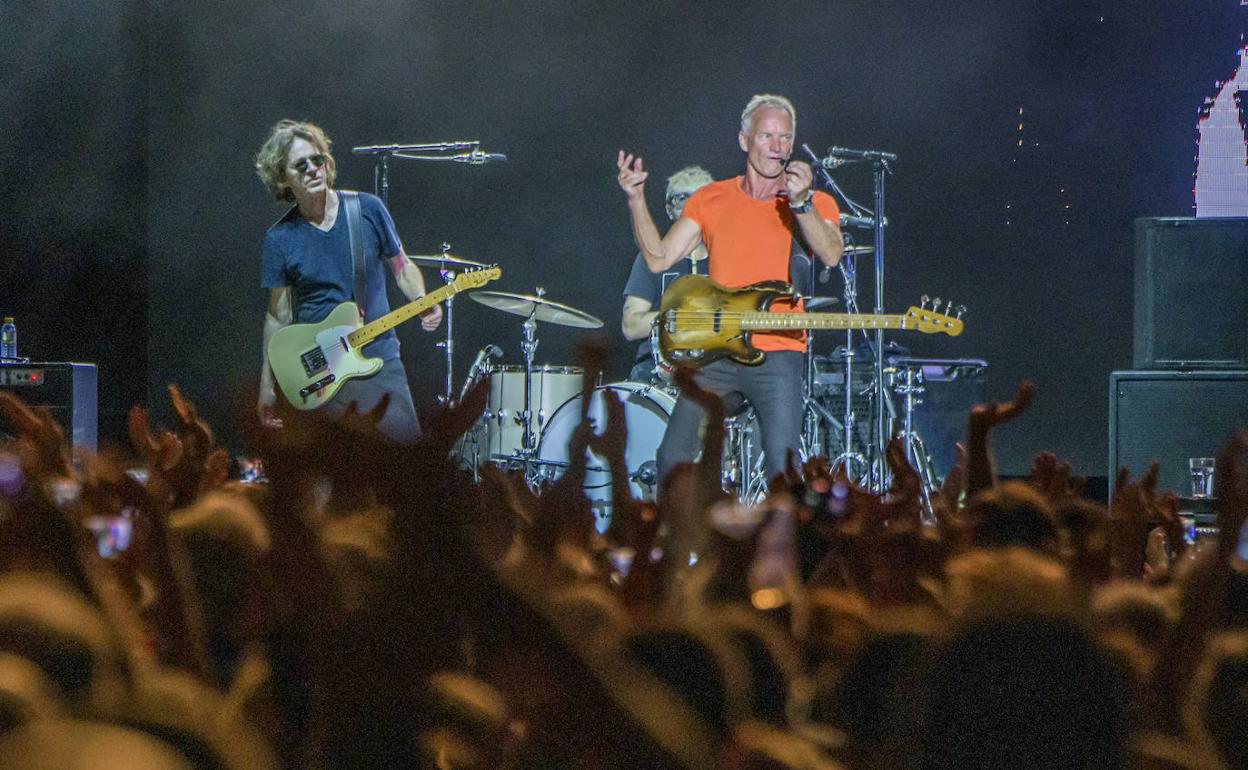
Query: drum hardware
{"points": [[646, 412], [447, 265], [533, 308], [908, 383]]}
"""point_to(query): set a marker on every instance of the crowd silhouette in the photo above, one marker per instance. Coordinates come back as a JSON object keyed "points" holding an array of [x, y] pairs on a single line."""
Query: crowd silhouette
{"points": [[372, 605]]}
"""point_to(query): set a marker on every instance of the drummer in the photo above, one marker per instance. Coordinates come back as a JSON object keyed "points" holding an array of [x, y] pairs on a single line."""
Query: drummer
{"points": [[644, 288]]}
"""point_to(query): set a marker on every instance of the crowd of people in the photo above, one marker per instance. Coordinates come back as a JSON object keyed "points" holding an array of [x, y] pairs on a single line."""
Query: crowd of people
{"points": [[373, 605]]}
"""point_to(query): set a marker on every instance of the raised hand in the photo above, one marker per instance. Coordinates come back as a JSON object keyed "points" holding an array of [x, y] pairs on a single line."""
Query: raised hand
{"points": [[980, 469], [1053, 478], [1137, 509], [632, 177], [41, 442], [1230, 481], [798, 179]]}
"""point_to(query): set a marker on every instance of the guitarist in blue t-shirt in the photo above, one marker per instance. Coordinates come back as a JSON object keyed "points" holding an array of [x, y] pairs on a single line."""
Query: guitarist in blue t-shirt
{"points": [[307, 267]]}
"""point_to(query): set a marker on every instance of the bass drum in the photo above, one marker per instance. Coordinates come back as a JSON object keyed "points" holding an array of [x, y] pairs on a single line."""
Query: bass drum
{"points": [[646, 411]]}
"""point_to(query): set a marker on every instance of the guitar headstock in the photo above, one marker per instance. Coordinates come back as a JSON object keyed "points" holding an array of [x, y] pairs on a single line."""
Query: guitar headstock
{"points": [[477, 278], [929, 321]]}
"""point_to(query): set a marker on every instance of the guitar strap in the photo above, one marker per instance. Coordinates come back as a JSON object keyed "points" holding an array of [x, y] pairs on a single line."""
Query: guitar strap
{"points": [[355, 230]]}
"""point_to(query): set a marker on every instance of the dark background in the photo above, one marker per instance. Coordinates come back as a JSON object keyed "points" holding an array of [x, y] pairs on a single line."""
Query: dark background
{"points": [[133, 224]]}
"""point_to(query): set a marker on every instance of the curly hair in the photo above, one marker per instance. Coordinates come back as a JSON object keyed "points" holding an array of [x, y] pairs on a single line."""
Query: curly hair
{"points": [[271, 159]]}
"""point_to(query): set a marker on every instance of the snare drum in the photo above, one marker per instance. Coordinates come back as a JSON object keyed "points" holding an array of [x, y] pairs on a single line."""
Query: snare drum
{"points": [[552, 386], [646, 411]]}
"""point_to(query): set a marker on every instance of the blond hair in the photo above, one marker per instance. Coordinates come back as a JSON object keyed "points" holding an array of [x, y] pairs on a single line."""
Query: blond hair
{"points": [[759, 101], [688, 179], [271, 159]]}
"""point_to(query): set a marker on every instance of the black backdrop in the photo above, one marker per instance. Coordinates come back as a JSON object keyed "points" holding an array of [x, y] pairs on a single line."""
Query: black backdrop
{"points": [[135, 220]]}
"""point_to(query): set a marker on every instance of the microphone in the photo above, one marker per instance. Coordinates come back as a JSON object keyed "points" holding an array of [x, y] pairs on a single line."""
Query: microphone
{"points": [[831, 162], [848, 155], [487, 352], [478, 158], [849, 220]]}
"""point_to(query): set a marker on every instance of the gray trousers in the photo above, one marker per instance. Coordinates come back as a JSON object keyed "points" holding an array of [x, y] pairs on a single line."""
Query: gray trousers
{"points": [[400, 422], [773, 388]]}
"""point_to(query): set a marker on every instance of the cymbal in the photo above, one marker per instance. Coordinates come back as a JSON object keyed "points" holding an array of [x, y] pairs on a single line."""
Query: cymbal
{"points": [[443, 260], [541, 308], [819, 303]]}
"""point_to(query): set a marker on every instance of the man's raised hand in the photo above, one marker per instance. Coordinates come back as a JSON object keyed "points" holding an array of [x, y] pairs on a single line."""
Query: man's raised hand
{"points": [[632, 177]]}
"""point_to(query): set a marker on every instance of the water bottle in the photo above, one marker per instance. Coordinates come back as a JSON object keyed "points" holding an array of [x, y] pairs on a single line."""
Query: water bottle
{"points": [[8, 338]]}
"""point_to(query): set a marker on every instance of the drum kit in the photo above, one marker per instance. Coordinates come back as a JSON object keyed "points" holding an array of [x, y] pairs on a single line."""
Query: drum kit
{"points": [[533, 409]]}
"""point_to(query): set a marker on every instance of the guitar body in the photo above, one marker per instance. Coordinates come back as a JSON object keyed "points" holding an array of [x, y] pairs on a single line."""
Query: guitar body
{"points": [[707, 327], [310, 362]]}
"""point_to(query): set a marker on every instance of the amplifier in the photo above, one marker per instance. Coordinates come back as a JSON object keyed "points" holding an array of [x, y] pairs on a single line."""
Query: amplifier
{"points": [[1191, 293], [68, 390], [1170, 417]]}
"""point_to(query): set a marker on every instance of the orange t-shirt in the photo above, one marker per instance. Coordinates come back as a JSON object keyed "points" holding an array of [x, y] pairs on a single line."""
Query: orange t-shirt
{"points": [[750, 241]]}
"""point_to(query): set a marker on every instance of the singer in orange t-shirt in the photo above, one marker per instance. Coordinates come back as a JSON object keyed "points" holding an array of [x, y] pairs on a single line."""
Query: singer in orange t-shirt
{"points": [[749, 224]]}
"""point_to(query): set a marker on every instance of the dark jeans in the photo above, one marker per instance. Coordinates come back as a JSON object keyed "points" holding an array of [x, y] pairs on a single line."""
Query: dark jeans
{"points": [[400, 422], [773, 388]]}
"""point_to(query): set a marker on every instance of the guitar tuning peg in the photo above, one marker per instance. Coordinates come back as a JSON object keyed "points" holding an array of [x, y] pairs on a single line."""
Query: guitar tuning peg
{"points": [[961, 310], [923, 301], [935, 304], [948, 307]]}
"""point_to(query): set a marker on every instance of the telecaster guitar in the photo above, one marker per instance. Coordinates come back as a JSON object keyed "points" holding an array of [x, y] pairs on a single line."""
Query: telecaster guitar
{"points": [[311, 361], [700, 321]]}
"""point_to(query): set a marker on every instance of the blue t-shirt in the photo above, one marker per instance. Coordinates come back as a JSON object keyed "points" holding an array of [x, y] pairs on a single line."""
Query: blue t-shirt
{"points": [[316, 265]]}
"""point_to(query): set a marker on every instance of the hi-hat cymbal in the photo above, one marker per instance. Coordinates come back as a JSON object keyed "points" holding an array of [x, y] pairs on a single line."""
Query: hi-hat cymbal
{"points": [[541, 308], [444, 260]]}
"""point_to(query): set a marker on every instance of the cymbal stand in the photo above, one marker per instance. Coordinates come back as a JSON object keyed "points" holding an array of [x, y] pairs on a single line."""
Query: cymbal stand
{"points": [[848, 457], [909, 386], [814, 414], [880, 469], [448, 345], [528, 443]]}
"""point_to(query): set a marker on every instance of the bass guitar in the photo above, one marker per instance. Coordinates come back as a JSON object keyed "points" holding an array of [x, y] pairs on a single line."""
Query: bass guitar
{"points": [[310, 362], [701, 321]]}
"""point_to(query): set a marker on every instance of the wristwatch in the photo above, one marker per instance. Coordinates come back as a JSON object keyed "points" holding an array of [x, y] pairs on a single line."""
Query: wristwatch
{"points": [[804, 206]]}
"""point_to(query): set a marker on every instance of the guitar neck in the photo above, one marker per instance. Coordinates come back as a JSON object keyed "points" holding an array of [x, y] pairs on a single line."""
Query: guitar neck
{"points": [[762, 321], [365, 334]]}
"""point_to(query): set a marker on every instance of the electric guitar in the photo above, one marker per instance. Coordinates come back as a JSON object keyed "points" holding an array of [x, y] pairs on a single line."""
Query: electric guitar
{"points": [[311, 361], [700, 321]]}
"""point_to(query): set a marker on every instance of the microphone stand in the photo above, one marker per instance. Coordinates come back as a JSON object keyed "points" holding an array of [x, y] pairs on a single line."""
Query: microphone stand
{"points": [[381, 170], [879, 473], [381, 187]]}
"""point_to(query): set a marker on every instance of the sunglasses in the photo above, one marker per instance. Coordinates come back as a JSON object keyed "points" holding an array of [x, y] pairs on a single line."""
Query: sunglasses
{"points": [[304, 164]]}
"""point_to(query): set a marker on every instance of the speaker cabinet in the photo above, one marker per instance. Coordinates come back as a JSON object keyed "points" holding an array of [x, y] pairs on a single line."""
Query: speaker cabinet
{"points": [[1170, 417], [69, 390], [1191, 293]]}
